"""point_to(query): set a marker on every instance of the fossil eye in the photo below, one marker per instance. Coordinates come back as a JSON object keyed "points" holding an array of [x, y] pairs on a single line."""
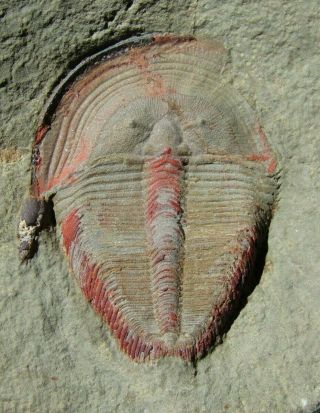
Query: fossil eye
{"points": [[163, 185], [133, 123]]}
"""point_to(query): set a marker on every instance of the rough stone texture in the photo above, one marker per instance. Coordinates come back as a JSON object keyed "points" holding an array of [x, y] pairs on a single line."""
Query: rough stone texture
{"points": [[55, 354]]}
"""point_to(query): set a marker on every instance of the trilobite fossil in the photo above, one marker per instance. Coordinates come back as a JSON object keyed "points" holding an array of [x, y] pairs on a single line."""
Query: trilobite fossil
{"points": [[163, 186]]}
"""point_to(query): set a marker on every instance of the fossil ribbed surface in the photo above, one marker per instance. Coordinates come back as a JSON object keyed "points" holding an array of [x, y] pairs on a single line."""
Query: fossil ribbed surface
{"points": [[163, 186]]}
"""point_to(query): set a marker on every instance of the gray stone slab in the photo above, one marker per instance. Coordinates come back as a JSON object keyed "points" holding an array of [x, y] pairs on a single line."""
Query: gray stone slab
{"points": [[55, 354]]}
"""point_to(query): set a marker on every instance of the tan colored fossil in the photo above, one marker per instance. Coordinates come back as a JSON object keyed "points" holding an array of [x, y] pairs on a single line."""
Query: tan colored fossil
{"points": [[163, 186]]}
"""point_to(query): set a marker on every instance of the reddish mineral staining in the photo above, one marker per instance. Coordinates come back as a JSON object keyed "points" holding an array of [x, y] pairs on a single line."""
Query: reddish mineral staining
{"points": [[163, 188]]}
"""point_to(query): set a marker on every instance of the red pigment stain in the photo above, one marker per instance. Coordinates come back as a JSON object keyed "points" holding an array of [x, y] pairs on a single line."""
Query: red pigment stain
{"points": [[70, 229], [96, 291], [155, 85], [166, 38], [41, 131], [258, 157], [138, 58], [165, 236], [272, 166], [266, 155], [67, 174], [241, 269]]}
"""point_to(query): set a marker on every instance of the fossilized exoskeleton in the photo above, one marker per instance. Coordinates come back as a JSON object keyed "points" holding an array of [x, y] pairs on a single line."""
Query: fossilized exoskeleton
{"points": [[163, 185]]}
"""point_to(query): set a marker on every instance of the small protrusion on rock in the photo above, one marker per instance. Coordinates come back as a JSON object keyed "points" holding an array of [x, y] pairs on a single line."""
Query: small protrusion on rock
{"points": [[31, 211], [27, 235], [30, 223]]}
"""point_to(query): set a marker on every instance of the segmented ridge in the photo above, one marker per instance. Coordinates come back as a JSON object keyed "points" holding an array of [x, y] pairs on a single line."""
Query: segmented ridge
{"points": [[102, 298], [165, 236], [101, 295]]}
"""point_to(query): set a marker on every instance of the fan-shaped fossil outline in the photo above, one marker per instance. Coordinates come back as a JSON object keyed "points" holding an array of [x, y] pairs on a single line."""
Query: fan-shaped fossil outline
{"points": [[163, 187]]}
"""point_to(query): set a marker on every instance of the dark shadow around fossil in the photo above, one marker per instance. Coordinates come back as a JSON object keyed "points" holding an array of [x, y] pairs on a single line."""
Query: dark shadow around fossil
{"points": [[163, 185]]}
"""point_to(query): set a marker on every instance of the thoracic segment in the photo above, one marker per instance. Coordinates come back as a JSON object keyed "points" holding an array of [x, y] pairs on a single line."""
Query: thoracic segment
{"points": [[218, 226], [165, 236]]}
